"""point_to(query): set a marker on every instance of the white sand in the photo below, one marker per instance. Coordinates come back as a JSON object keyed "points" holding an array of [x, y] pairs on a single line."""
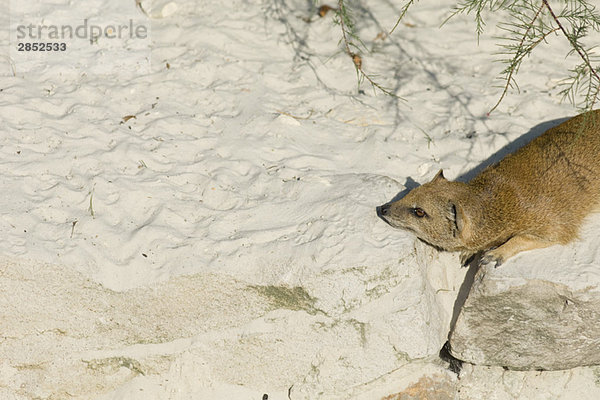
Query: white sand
{"points": [[252, 166]]}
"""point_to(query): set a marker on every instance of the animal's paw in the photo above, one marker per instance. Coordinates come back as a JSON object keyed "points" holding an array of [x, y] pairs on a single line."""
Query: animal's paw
{"points": [[491, 258], [467, 258]]}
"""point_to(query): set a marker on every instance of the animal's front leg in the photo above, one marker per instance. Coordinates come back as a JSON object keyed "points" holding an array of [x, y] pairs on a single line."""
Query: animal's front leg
{"points": [[466, 257], [511, 247]]}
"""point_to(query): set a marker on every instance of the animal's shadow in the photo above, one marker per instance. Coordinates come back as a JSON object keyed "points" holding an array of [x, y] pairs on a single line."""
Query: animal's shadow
{"points": [[473, 264], [510, 148]]}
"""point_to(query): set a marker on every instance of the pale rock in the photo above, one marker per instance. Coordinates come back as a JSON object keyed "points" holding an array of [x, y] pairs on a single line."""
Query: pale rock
{"points": [[169, 9], [539, 310], [288, 120]]}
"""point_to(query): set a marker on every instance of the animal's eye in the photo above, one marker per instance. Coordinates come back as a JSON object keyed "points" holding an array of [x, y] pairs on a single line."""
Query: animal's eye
{"points": [[419, 212]]}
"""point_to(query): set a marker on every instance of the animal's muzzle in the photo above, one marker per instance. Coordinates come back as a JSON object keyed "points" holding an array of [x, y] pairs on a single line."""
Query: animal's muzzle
{"points": [[383, 211]]}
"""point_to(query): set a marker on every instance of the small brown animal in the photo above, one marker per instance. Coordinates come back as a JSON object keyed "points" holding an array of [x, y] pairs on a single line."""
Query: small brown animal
{"points": [[533, 198]]}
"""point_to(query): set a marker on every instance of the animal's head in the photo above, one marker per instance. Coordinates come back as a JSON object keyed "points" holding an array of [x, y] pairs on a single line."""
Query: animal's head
{"points": [[431, 212]]}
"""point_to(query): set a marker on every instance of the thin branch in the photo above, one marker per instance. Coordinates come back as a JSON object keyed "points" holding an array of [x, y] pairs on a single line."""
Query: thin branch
{"points": [[356, 59], [342, 12], [515, 61], [402, 14], [576, 47]]}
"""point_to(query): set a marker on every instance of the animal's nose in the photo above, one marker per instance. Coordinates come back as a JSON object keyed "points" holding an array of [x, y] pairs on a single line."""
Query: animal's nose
{"points": [[383, 210]]}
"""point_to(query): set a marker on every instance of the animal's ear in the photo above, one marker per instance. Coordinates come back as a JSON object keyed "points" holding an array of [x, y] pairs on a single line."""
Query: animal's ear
{"points": [[439, 176], [457, 218]]}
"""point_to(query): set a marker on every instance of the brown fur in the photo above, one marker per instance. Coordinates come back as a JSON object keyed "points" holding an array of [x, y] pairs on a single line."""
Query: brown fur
{"points": [[533, 198]]}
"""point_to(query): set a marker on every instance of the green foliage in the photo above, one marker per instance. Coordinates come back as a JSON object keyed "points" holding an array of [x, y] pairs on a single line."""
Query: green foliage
{"points": [[403, 12], [526, 24]]}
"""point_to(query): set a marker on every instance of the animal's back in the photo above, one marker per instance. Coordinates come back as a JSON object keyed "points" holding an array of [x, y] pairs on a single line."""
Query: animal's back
{"points": [[555, 179]]}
